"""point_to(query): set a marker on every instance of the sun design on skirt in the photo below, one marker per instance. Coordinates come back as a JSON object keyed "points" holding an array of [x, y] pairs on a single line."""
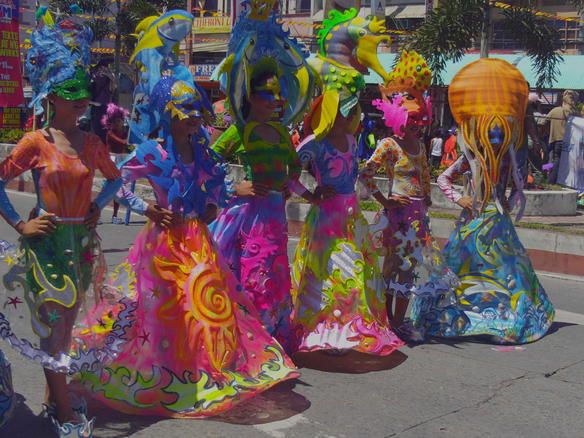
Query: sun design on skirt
{"points": [[201, 298]]}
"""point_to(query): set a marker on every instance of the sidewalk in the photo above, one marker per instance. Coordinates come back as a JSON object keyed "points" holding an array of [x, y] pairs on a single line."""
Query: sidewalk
{"points": [[554, 244]]}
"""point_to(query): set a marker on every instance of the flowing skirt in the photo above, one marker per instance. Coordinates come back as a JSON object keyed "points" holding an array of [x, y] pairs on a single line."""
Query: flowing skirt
{"points": [[413, 262], [499, 293], [50, 281], [252, 235], [338, 292], [195, 346]]}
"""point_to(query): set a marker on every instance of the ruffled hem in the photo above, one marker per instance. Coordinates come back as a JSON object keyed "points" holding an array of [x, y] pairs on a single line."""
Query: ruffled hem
{"points": [[356, 335]]}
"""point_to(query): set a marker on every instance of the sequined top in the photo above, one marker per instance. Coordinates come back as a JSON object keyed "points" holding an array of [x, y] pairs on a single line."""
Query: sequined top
{"points": [[408, 174], [181, 188], [64, 182], [270, 164], [329, 166]]}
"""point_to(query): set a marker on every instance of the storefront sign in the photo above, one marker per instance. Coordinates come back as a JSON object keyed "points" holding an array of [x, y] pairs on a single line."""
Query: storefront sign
{"points": [[202, 72], [10, 71], [202, 25]]}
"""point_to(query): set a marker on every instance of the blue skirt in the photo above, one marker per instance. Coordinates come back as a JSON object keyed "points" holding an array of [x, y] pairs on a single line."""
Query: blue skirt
{"points": [[499, 293]]}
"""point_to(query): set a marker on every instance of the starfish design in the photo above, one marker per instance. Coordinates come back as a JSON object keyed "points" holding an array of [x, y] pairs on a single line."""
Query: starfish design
{"points": [[145, 336], [155, 293], [402, 226], [15, 301], [101, 323], [10, 261], [415, 276], [53, 316]]}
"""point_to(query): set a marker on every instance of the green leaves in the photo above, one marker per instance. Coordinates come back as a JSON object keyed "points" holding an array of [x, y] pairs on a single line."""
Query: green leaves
{"points": [[448, 32], [541, 41]]}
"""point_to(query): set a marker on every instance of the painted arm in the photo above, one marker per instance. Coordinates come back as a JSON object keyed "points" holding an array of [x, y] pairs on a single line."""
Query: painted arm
{"points": [[22, 158], [446, 179], [112, 175], [306, 155], [377, 160]]}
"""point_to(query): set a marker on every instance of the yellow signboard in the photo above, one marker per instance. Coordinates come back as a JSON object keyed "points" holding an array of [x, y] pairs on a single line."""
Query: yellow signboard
{"points": [[212, 25]]}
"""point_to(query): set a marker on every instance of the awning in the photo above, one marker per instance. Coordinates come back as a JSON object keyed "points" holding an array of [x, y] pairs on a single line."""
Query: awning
{"points": [[218, 46], [571, 74], [412, 11]]}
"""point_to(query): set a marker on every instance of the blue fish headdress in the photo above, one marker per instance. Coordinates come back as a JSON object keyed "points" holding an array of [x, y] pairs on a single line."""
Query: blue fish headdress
{"points": [[167, 90], [257, 37], [59, 54]]}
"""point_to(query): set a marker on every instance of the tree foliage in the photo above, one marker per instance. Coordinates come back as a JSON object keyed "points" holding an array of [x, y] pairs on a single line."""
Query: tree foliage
{"points": [[455, 27]]}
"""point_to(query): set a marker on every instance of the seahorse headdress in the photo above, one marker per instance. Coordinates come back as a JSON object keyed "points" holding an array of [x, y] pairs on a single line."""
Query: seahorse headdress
{"points": [[488, 99], [259, 44], [403, 95], [348, 48], [58, 60]]}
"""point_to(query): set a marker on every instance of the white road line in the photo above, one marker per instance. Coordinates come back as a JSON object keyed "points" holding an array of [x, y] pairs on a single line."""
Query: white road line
{"points": [[569, 317]]}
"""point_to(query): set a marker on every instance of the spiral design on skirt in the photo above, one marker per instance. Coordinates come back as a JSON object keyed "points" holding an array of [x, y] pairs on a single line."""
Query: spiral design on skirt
{"points": [[208, 299]]}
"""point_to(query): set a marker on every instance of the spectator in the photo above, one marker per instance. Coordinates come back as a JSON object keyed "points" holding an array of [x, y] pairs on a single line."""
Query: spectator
{"points": [[450, 154], [436, 149], [557, 118], [102, 89], [114, 123]]}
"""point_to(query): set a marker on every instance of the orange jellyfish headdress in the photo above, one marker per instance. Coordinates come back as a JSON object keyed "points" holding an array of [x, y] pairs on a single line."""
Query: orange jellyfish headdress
{"points": [[488, 99]]}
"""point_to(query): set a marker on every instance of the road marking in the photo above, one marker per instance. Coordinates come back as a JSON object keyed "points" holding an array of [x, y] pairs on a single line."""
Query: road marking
{"points": [[277, 429], [569, 317]]}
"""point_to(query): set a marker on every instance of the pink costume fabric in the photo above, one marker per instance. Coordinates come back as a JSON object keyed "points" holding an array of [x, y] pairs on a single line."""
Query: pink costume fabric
{"points": [[194, 345], [337, 289]]}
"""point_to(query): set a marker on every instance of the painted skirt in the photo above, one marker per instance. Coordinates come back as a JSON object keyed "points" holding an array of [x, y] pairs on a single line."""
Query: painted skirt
{"points": [[195, 346], [252, 234], [49, 283], [7, 399], [413, 263], [338, 292], [499, 293]]}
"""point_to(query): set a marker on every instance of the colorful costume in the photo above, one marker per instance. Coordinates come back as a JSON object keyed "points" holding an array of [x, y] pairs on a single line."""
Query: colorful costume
{"points": [[411, 250], [50, 276], [252, 231], [338, 291], [499, 293], [195, 344]]}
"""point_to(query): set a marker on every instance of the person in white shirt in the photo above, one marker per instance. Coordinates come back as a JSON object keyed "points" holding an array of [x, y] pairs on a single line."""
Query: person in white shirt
{"points": [[436, 147]]}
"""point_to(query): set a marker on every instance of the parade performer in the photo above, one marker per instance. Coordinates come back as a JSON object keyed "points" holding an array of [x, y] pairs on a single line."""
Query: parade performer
{"points": [[337, 289], [268, 85], [113, 122], [60, 263], [347, 49], [499, 293], [196, 346], [412, 263]]}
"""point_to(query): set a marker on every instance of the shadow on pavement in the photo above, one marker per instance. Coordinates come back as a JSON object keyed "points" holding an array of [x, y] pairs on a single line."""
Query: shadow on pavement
{"points": [[275, 404], [114, 424], [24, 422], [353, 362]]}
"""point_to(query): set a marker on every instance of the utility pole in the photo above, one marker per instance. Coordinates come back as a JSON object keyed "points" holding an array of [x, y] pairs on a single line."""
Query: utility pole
{"points": [[189, 41], [485, 29], [117, 52]]}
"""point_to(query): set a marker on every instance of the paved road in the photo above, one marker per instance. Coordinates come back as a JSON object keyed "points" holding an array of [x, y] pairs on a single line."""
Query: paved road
{"points": [[449, 389]]}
